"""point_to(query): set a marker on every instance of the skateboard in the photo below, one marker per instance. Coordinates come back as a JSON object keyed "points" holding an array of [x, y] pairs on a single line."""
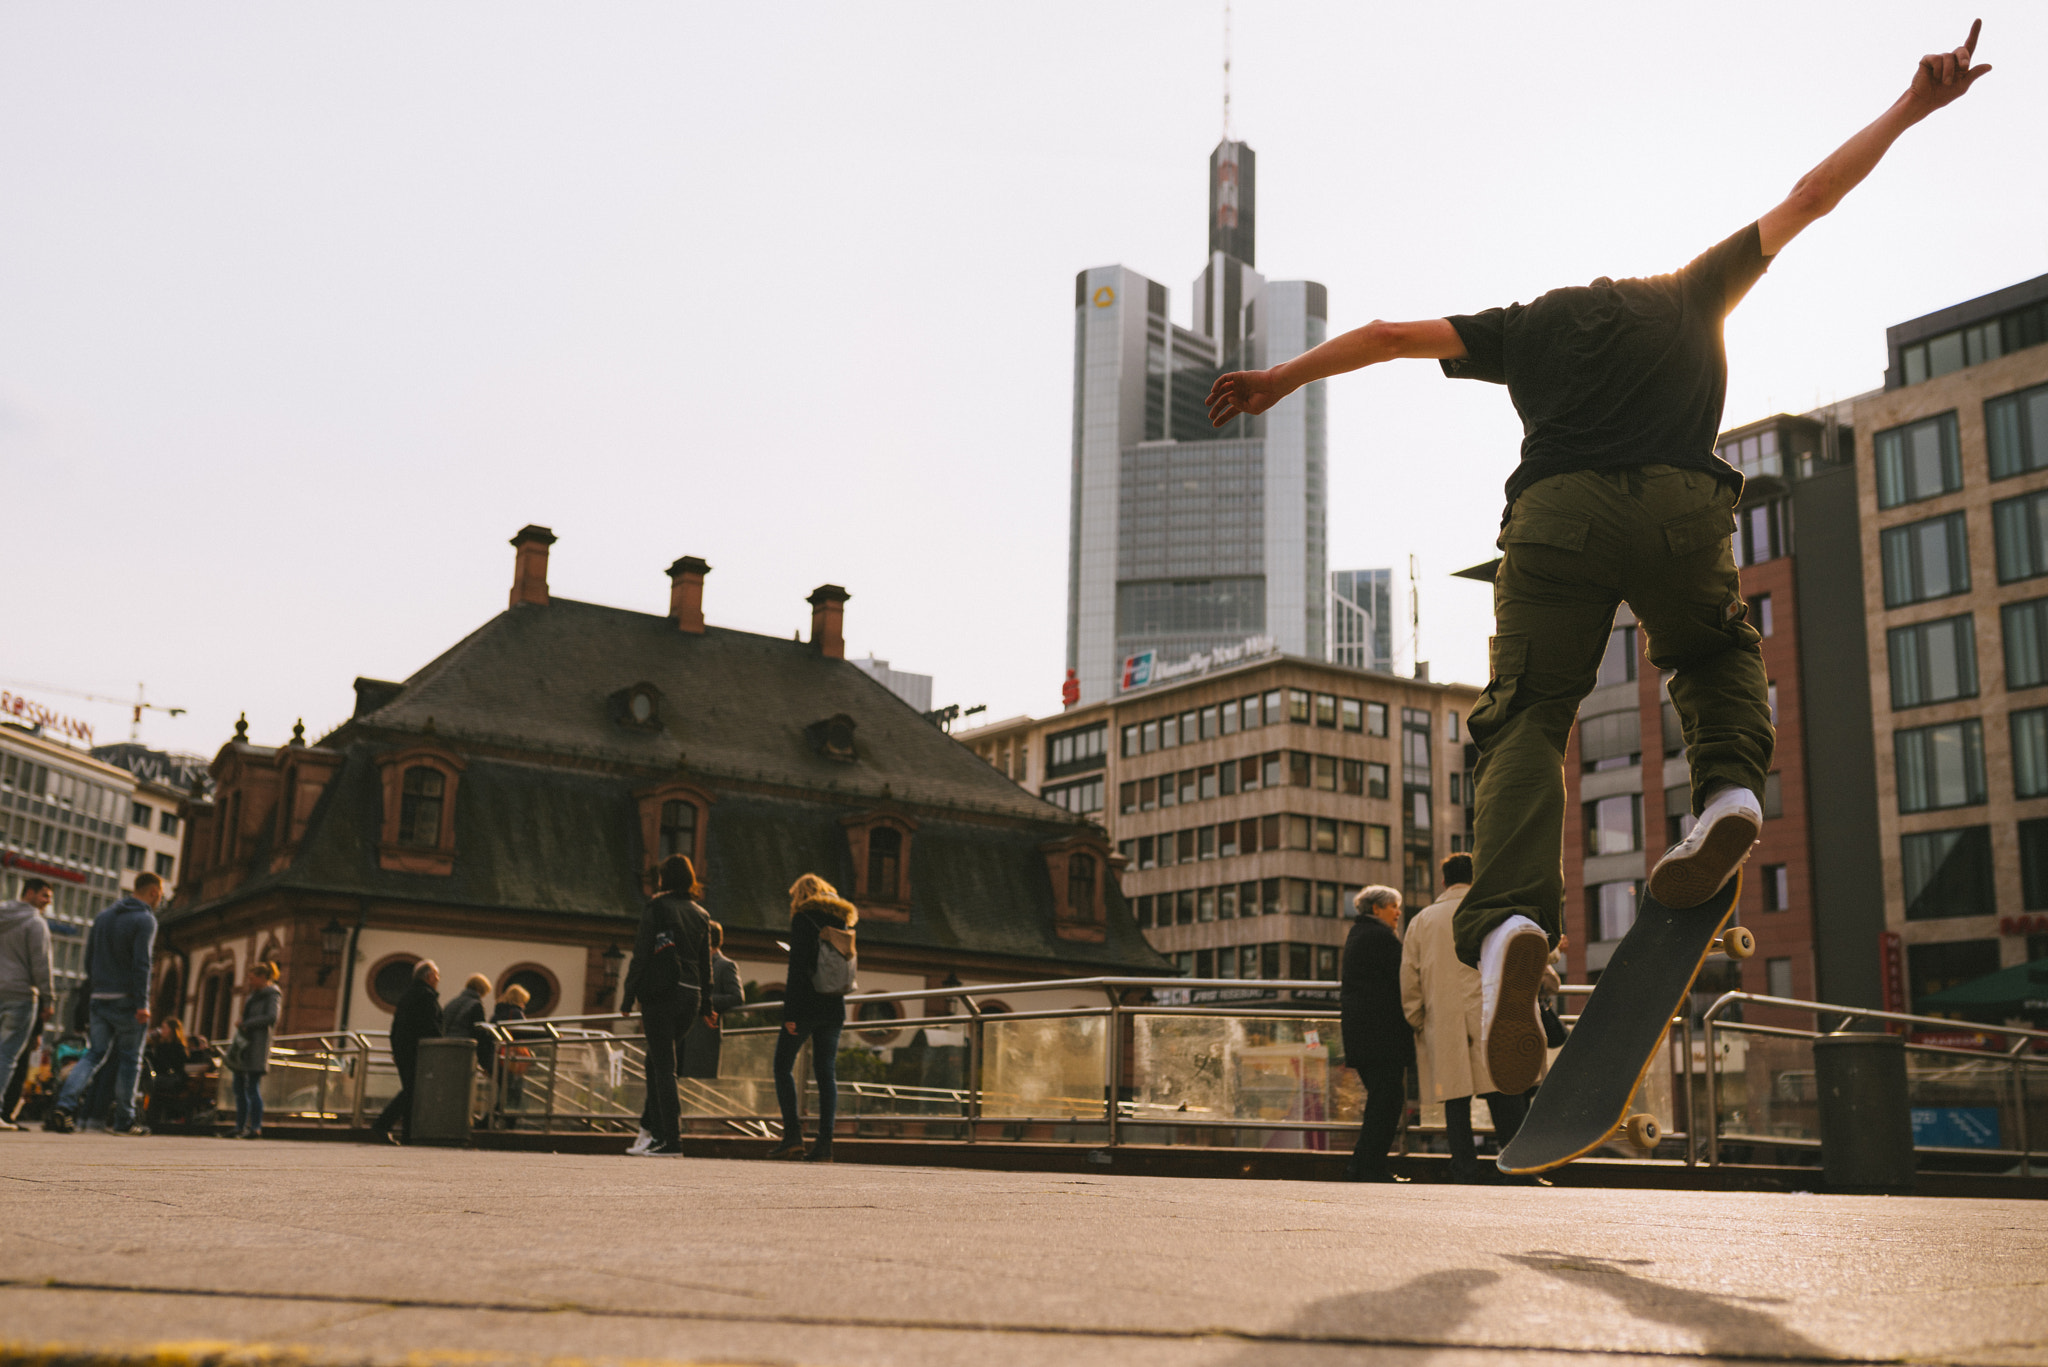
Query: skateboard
{"points": [[1584, 1101]]}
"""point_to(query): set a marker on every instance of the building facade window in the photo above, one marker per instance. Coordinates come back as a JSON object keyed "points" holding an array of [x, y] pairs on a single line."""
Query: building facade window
{"points": [[2025, 628], [2019, 532], [1940, 766], [2030, 753], [885, 863], [1923, 560], [1618, 661], [1947, 873], [2034, 866], [1614, 825], [678, 829], [1083, 748], [1764, 531], [880, 844], [1777, 882], [1919, 460], [2016, 431], [137, 857], [1376, 719], [1760, 614], [139, 814], [1933, 661], [1973, 345], [164, 864], [1086, 797], [1778, 977], [1611, 908]]}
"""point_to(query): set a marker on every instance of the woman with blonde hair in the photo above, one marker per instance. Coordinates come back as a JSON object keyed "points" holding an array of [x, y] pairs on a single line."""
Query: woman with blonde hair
{"points": [[813, 1008], [249, 1054]]}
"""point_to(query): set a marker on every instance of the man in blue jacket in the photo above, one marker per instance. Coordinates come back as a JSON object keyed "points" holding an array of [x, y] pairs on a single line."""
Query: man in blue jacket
{"points": [[117, 952]]}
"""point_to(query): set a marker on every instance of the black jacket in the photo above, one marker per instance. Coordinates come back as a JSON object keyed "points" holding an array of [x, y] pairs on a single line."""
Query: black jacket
{"points": [[701, 1047], [802, 1002], [460, 1019], [672, 950], [1369, 997], [418, 1017], [259, 1018]]}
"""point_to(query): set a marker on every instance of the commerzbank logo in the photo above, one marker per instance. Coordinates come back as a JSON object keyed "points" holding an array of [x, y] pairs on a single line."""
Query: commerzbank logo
{"points": [[1104, 297]]}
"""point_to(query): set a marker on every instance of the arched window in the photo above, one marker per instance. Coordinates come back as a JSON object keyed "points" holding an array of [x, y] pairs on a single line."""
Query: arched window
{"points": [[217, 1003], [1081, 887], [880, 1011], [389, 979], [885, 863], [419, 810], [678, 829], [541, 988]]}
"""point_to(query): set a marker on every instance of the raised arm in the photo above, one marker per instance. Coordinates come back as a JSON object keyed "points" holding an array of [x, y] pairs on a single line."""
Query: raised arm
{"points": [[1941, 79], [1255, 391]]}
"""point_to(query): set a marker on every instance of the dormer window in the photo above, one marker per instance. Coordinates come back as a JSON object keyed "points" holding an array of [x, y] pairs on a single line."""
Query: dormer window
{"points": [[678, 829], [419, 807], [1081, 888], [638, 707], [880, 843], [1075, 865], [885, 863], [833, 738]]}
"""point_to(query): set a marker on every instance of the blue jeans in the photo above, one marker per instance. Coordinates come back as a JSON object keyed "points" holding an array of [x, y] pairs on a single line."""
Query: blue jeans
{"points": [[248, 1103], [17, 1021], [115, 1036], [824, 1066]]}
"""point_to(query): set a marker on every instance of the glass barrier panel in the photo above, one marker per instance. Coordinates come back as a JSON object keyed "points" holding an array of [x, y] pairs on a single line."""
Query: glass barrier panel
{"points": [[1044, 1069], [1192, 1075], [745, 1085], [1962, 1103], [1767, 1087]]}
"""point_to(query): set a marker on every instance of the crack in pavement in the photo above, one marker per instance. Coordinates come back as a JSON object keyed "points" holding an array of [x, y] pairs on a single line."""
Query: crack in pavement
{"points": [[813, 1321]]}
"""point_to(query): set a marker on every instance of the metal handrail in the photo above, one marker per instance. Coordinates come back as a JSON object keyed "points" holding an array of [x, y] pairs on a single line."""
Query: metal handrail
{"points": [[2014, 1055]]}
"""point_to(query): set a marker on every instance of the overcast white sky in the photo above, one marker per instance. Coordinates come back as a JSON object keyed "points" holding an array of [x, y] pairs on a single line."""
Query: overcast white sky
{"points": [[304, 310]]}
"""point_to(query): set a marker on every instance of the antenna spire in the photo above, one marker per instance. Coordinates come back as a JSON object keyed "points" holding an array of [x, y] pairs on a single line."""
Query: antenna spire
{"points": [[1226, 70]]}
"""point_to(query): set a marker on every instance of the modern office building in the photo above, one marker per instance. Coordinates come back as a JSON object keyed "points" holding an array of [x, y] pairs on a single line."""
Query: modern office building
{"points": [[163, 783], [915, 689], [1359, 619], [1955, 550], [1185, 537], [63, 819], [1249, 803]]}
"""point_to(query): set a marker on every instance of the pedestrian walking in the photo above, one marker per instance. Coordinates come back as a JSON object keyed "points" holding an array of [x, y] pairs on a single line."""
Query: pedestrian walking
{"points": [[511, 1007], [705, 1041], [1619, 497], [418, 1017], [117, 954], [821, 962], [27, 994], [249, 1051], [463, 1018], [670, 971], [1377, 1040], [1440, 998]]}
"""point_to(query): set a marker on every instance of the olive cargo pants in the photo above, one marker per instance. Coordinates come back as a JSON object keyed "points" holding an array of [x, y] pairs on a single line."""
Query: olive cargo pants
{"points": [[1575, 546]]}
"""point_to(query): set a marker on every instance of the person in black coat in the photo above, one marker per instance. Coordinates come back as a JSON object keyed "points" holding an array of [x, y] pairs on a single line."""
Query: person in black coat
{"points": [[701, 1049], [418, 1017], [817, 914], [670, 971], [1377, 1040], [463, 1018]]}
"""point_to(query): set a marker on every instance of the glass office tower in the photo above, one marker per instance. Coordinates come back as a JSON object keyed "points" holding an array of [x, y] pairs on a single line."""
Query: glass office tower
{"points": [[1184, 537], [1361, 619]]}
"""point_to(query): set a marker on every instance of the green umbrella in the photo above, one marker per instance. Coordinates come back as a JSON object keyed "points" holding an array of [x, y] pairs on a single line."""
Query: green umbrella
{"points": [[2023, 987]]}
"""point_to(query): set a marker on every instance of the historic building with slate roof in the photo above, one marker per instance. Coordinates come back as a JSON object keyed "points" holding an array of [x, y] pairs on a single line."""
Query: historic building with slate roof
{"points": [[500, 811]]}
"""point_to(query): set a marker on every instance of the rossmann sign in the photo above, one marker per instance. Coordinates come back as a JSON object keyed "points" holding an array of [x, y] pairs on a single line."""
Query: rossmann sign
{"points": [[1145, 669], [14, 705]]}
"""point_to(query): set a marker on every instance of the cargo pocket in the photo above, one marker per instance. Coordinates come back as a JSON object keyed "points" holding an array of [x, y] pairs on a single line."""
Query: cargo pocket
{"points": [[1507, 656], [1507, 661], [1560, 531], [1697, 531]]}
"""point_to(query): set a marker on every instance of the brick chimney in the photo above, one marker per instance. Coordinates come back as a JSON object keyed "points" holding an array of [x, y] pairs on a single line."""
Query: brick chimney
{"points": [[686, 594], [530, 565], [828, 616]]}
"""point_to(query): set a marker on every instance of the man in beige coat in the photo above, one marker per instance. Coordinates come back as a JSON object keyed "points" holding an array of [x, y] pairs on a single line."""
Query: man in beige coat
{"points": [[1440, 997]]}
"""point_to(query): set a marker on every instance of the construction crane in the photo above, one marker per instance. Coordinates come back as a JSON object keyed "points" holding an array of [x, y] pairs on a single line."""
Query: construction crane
{"points": [[138, 704]]}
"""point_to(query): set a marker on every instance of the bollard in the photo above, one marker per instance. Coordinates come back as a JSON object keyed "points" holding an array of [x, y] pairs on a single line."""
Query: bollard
{"points": [[1866, 1125], [441, 1091]]}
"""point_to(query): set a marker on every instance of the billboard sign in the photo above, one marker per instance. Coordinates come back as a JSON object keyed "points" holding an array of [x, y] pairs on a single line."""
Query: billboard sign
{"points": [[1145, 669]]}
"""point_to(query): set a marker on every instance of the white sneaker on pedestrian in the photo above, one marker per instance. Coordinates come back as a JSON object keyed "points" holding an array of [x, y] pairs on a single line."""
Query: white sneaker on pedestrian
{"points": [[1697, 867], [1511, 964], [641, 1145]]}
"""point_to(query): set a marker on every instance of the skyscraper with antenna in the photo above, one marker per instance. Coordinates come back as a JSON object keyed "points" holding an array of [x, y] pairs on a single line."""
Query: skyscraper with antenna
{"points": [[1182, 537]]}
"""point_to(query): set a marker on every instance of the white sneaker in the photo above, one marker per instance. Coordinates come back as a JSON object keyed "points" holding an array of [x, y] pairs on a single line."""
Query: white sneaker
{"points": [[1697, 867], [641, 1145], [1511, 964]]}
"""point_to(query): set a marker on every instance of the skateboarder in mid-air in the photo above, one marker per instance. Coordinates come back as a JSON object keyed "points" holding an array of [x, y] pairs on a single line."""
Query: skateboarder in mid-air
{"points": [[1619, 497]]}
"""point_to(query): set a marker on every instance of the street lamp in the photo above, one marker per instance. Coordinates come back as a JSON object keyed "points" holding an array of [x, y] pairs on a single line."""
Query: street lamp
{"points": [[333, 944]]}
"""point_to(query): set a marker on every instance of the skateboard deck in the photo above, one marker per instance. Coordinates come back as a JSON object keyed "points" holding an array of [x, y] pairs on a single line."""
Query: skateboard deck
{"points": [[1585, 1100]]}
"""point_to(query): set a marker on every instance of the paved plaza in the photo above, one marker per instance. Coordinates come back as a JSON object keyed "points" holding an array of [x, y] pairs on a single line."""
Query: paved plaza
{"points": [[188, 1249]]}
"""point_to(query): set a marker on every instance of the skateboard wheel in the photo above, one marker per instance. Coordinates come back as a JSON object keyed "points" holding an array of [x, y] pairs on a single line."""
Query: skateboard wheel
{"points": [[1738, 942], [1642, 1131]]}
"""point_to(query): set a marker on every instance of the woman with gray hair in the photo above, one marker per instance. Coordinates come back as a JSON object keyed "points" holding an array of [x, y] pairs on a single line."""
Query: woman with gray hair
{"points": [[1377, 1040]]}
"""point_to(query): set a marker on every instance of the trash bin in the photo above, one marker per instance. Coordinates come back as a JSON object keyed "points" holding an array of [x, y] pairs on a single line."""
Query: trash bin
{"points": [[1866, 1125], [442, 1078]]}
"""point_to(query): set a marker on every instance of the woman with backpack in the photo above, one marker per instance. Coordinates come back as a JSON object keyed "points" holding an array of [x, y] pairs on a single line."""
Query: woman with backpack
{"points": [[670, 972], [821, 965]]}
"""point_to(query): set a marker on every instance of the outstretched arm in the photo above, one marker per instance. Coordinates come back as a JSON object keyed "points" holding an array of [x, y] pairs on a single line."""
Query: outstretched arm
{"points": [[1942, 79], [1254, 391]]}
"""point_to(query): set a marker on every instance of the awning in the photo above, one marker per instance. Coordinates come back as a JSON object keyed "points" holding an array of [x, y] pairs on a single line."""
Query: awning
{"points": [[2021, 988]]}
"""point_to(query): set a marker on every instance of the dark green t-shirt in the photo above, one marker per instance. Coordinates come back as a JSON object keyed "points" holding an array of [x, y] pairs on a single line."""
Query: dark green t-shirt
{"points": [[1618, 372]]}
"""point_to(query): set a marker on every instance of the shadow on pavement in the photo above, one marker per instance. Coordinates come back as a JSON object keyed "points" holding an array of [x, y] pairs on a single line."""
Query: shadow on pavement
{"points": [[1732, 1326], [1420, 1313]]}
